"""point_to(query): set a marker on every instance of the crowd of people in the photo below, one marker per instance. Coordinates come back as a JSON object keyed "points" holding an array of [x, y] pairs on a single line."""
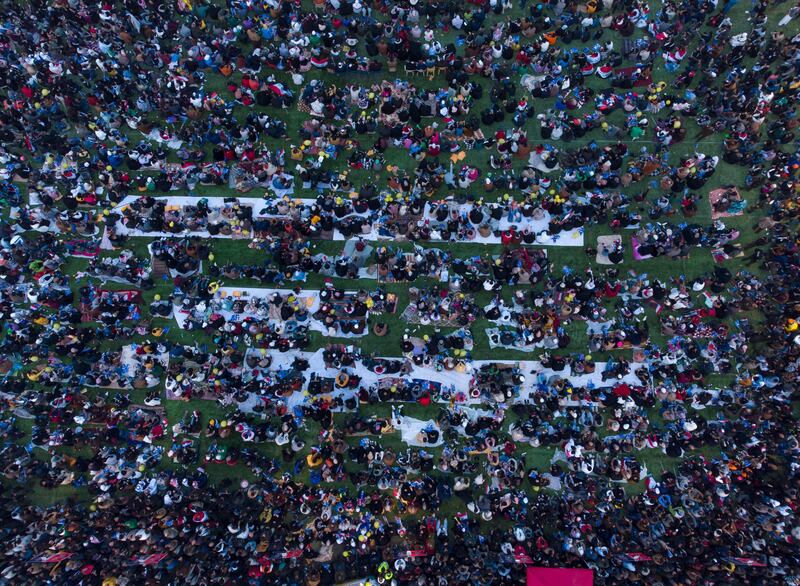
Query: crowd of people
{"points": [[175, 413]]}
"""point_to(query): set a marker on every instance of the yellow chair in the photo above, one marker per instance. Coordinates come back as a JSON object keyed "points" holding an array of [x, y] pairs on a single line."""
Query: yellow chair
{"points": [[430, 72]]}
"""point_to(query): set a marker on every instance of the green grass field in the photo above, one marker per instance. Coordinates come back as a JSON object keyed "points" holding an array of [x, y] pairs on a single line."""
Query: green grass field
{"points": [[699, 262]]}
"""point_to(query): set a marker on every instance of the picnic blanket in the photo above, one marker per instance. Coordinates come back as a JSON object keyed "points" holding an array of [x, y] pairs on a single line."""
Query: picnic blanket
{"points": [[310, 300], [377, 232], [90, 313], [536, 161], [719, 255], [537, 225], [604, 244], [129, 363], [409, 428], [736, 208], [496, 341], [635, 246], [411, 315], [643, 81]]}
